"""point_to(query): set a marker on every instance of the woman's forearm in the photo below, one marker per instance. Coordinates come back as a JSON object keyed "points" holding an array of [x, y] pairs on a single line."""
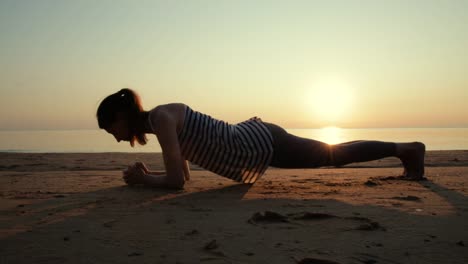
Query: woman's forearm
{"points": [[154, 180]]}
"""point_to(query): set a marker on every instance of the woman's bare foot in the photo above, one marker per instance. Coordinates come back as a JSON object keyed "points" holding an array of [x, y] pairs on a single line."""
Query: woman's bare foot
{"points": [[412, 157]]}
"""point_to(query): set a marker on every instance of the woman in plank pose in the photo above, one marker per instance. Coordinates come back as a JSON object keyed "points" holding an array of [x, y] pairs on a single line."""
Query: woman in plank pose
{"points": [[241, 152]]}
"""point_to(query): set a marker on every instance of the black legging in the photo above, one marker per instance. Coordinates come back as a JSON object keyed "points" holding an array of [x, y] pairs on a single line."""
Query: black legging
{"points": [[291, 151]]}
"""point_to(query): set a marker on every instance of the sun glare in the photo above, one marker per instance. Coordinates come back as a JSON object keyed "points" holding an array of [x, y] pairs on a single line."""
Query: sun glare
{"points": [[331, 101], [331, 135]]}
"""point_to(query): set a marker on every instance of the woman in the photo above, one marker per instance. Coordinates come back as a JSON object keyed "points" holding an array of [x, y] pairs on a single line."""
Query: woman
{"points": [[241, 152]]}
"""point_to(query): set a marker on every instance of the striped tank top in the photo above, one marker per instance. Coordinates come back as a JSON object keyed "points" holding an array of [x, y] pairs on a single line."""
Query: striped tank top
{"points": [[241, 152]]}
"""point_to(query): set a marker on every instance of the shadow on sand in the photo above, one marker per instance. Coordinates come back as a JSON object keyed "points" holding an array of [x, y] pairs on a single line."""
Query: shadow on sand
{"points": [[135, 224]]}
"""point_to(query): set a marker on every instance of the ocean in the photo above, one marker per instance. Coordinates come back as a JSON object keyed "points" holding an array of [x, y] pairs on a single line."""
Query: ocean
{"points": [[68, 141]]}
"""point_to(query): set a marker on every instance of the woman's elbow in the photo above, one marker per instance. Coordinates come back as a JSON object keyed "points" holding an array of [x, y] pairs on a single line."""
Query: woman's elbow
{"points": [[175, 183]]}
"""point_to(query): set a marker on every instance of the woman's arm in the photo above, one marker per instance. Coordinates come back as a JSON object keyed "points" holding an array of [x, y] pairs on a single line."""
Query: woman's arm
{"points": [[167, 137], [177, 170], [157, 178], [185, 168], [143, 167], [138, 174]]}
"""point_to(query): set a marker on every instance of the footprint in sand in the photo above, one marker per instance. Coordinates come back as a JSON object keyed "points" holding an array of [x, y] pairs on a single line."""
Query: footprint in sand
{"points": [[213, 248], [135, 254], [315, 261], [192, 233], [269, 217], [370, 183], [313, 216], [211, 245], [407, 198], [109, 224]]}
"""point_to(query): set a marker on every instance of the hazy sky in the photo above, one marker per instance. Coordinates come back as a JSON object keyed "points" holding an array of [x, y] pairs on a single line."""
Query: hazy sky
{"points": [[301, 64]]}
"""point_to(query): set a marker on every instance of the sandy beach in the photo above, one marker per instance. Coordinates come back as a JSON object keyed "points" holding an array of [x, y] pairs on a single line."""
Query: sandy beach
{"points": [[75, 208]]}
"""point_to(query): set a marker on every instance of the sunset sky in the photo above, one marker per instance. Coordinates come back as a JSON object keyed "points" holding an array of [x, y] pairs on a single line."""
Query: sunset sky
{"points": [[300, 64]]}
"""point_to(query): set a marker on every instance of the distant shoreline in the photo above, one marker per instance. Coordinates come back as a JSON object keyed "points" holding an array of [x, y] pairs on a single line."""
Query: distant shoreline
{"points": [[119, 160], [149, 152], [289, 128]]}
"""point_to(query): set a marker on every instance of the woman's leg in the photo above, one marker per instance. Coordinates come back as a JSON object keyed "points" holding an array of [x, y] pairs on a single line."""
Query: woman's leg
{"points": [[291, 151]]}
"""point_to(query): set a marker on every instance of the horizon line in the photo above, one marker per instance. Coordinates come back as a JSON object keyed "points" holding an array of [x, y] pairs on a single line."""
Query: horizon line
{"points": [[305, 128]]}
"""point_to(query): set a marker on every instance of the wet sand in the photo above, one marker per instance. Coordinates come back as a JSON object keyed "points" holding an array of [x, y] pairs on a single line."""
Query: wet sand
{"points": [[75, 208]]}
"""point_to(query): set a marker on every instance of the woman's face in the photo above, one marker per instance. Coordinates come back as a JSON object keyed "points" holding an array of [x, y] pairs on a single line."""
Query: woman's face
{"points": [[119, 129]]}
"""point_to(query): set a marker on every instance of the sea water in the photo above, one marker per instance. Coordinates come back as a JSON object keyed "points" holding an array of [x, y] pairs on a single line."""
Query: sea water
{"points": [[101, 141]]}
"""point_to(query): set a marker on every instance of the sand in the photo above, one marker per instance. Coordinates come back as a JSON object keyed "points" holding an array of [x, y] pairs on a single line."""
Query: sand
{"points": [[75, 208]]}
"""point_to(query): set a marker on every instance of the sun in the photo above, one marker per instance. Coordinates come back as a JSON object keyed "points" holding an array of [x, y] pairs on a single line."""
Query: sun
{"points": [[331, 101], [330, 135]]}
